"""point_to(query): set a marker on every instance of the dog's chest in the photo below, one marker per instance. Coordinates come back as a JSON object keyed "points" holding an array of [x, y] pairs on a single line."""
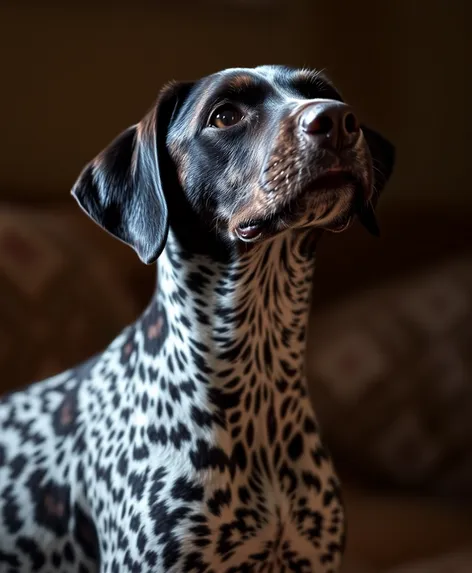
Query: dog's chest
{"points": [[258, 494], [235, 481]]}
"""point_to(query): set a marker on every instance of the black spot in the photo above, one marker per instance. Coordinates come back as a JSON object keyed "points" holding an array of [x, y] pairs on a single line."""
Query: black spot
{"points": [[309, 426], [205, 457], [151, 558], [267, 354], [219, 499], [56, 559], [32, 550], [319, 455], [157, 435], [196, 282], [202, 418], [52, 503], [295, 447], [164, 519], [282, 386], [250, 434], [184, 489], [239, 456], [122, 465], [235, 417], [171, 552], [9, 559], [185, 321], [188, 388], [142, 541], [135, 523], [311, 480], [285, 406], [85, 533], [11, 511], [69, 554], [137, 483], [194, 564], [244, 495], [287, 479], [65, 417], [156, 329], [130, 564], [174, 392], [225, 400], [271, 424], [179, 435], [141, 373], [17, 466]]}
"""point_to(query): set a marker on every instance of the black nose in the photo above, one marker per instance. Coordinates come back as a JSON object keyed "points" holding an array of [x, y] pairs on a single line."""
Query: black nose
{"points": [[332, 123]]}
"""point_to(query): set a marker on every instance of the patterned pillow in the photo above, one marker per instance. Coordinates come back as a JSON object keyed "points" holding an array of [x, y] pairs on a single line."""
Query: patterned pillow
{"points": [[391, 377], [64, 291]]}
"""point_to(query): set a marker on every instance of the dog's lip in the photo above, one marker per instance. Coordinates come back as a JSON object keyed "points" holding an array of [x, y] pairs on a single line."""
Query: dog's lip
{"points": [[333, 179], [330, 181], [249, 232]]}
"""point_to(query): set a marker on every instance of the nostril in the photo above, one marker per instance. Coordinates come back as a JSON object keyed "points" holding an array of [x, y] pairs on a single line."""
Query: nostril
{"points": [[326, 124], [321, 124], [350, 123]]}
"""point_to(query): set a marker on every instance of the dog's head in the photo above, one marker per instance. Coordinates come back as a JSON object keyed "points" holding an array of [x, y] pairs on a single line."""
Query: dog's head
{"points": [[240, 156]]}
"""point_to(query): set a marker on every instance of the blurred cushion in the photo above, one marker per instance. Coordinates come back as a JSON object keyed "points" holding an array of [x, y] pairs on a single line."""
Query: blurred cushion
{"points": [[460, 562], [66, 289], [391, 378]]}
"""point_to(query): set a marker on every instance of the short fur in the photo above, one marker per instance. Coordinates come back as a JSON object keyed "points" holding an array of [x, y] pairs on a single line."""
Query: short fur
{"points": [[190, 444]]}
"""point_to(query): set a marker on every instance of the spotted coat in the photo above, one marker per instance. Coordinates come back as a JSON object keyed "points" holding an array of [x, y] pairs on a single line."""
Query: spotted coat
{"points": [[190, 443]]}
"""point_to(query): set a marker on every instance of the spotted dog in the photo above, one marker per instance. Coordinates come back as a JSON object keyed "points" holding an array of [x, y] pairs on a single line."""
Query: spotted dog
{"points": [[190, 444]]}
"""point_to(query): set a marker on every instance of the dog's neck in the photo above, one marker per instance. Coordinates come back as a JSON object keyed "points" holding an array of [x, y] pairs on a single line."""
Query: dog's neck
{"points": [[245, 318]]}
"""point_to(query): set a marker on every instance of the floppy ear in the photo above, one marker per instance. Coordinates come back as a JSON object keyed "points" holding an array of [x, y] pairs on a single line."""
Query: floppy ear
{"points": [[122, 188], [383, 160], [383, 157]]}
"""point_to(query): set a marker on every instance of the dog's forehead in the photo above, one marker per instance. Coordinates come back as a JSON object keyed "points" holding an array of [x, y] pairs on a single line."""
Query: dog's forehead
{"points": [[275, 77], [267, 80]]}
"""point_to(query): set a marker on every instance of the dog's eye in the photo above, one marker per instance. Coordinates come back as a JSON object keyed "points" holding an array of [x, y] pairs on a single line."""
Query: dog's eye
{"points": [[225, 116]]}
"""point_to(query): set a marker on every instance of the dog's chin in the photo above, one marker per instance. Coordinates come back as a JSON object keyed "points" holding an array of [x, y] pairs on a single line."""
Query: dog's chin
{"points": [[327, 205]]}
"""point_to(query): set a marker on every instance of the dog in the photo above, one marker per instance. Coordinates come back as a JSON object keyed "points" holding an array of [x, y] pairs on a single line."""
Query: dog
{"points": [[190, 444]]}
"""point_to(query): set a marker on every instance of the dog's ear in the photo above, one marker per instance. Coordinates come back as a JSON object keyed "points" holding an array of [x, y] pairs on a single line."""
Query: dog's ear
{"points": [[383, 161], [383, 157], [122, 189]]}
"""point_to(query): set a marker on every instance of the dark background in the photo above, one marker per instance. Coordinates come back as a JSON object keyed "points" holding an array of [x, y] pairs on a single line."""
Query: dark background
{"points": [[397, 311], [73, 74]]}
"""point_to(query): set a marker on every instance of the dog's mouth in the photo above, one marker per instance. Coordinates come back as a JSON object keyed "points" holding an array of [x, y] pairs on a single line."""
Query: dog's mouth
{"points": [[329, 201]]}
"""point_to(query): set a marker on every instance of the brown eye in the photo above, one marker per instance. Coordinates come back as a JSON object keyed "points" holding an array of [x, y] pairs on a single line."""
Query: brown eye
{"points": [[225, 116]]}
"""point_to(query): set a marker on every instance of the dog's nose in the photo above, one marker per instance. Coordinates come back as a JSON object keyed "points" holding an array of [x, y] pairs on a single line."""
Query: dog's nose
{"points": [[332, 123]]}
